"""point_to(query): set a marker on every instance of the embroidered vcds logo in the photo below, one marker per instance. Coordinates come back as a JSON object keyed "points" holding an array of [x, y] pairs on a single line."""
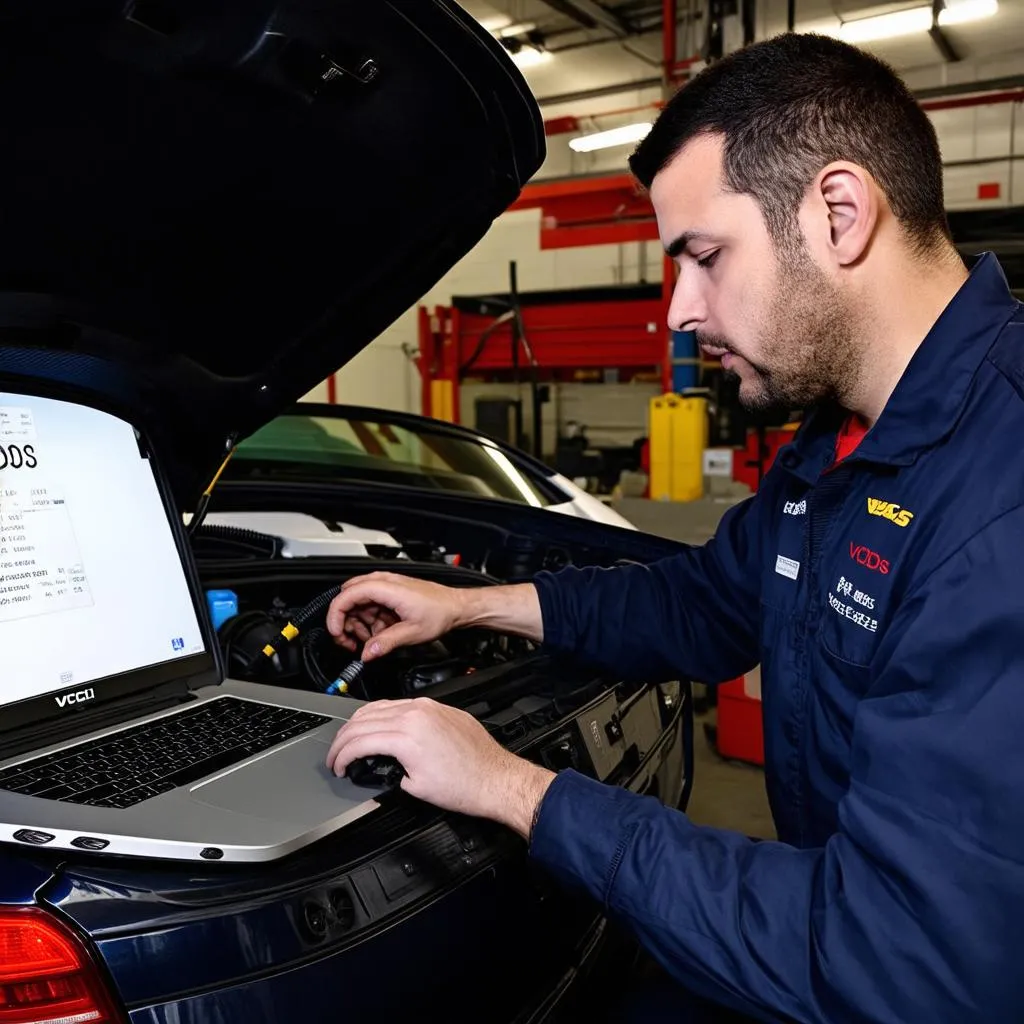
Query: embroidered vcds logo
{"points": [[891, 511]]}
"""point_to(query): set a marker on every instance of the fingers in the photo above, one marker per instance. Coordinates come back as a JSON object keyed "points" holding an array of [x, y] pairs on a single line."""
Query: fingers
{"points": [[358, 592], [401, 634], [382, 715], [355, 627], [367, 745], [347, 642]]}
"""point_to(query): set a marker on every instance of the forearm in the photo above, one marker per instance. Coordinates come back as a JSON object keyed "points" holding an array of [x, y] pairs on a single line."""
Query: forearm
{"points": [[671, 619], [511, 609], [867, 929]]}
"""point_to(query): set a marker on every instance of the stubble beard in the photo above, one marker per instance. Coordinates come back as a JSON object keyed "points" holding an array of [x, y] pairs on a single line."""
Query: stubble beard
{"points": [[808, 343]]}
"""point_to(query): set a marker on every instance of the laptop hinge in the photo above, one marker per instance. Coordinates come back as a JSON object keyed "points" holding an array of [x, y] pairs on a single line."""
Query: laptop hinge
{"points": [[68, 728]]}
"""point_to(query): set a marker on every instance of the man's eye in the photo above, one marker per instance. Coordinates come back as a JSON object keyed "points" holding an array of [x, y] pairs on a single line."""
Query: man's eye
{"points": [[707, 262]]}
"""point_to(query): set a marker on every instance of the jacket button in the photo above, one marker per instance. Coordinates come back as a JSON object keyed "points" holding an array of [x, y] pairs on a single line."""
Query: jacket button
{"points": [[789, 459]]}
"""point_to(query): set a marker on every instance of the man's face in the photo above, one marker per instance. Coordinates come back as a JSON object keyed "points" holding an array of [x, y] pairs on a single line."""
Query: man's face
{"points": [[777, 320]]}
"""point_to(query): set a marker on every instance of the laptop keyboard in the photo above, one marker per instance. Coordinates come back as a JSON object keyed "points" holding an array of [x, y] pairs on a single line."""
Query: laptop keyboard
{"points": [[142, 762]]}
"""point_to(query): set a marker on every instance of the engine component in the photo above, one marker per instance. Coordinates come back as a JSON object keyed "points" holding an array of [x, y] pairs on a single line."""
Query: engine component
{"points": [[594, 744], [347, 677], [424, 676], [244, 637], [297, 535], [223, 605], [218, 539]]}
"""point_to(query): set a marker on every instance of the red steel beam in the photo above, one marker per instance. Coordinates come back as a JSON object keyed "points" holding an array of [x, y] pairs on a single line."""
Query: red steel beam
{"points": [[561, 125], [979, 100], [536, 193], [598, 234], [590, 211], [582, 335]]}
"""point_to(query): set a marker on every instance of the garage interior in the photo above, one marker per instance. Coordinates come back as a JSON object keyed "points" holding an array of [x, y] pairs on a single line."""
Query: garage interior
{"points": [[580, 246], [300, 297]]}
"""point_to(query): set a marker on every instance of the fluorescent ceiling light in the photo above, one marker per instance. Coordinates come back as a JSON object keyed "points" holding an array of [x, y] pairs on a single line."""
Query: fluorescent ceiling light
{"points": [[503, 27], [914, 19], [520, 28], [887, 26], [495, 24], [530, 57], [613, 137], [956, 12]]}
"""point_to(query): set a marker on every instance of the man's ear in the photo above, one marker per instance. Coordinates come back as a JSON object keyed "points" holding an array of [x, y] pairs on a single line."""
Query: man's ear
{"points": [[850, 198]]}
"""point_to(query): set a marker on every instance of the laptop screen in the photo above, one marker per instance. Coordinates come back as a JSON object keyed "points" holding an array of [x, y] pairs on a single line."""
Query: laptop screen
{"points": [[92, 584]]}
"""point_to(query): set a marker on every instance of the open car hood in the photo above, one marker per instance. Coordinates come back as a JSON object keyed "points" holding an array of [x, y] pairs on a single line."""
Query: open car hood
{"points": [[210, 205]]}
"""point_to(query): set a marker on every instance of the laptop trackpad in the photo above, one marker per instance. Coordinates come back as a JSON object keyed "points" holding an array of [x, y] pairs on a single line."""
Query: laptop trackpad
{"points": [[291, 785]]}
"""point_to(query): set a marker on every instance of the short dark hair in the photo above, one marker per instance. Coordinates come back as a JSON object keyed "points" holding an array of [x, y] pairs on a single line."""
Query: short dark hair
{"points": [[788, 107]]}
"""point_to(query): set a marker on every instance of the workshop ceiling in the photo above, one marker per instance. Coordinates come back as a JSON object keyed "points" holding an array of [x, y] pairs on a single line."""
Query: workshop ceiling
{"points": [[596, 45]]}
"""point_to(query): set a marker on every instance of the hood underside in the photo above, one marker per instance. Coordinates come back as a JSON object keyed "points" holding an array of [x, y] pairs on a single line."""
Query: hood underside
{"points": [[210, 205]]}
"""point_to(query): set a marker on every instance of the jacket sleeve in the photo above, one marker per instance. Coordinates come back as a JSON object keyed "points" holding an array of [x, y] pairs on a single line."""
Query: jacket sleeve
{"points": [[912, 911], [693, 614]]}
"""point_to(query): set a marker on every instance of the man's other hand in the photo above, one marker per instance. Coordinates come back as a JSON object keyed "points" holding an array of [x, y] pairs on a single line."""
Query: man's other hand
{"points": [[449, 758]]}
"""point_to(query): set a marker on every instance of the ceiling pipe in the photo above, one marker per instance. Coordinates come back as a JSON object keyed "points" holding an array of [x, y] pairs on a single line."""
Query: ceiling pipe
{"points": [[595, 94], [989, 85], [975, 94], [590, 14]]}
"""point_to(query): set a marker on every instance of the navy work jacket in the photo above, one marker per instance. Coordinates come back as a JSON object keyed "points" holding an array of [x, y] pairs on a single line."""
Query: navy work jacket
{"points": [[884, 600]]}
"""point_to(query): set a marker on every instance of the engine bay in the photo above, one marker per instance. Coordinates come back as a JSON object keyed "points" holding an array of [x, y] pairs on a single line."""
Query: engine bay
{"points": [[525, 698], [556, 711]]}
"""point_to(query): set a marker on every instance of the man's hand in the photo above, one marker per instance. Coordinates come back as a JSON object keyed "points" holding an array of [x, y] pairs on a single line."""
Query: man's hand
{"points": [[449, 759], [385, 610]]}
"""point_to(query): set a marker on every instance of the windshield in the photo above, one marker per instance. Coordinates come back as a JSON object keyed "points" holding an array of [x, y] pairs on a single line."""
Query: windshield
{"points": [[325, 447]]}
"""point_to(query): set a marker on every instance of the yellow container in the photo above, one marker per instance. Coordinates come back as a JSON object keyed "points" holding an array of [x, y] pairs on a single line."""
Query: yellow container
{"points": [[442, 405], [678, 436]]}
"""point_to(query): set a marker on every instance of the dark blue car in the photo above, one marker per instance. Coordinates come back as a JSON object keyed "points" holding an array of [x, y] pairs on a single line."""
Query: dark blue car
{"points": [[206, 208]]}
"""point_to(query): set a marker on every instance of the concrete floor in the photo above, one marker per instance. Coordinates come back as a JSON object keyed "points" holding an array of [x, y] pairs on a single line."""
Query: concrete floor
{"points": [[726, 794]]}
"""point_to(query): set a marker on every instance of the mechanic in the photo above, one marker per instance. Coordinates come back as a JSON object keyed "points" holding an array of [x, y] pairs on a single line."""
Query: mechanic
{"points": [[877, 576]]}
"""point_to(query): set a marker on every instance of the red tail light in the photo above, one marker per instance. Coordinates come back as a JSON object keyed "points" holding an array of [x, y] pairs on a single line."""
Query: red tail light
{"points": [[47, 975]]}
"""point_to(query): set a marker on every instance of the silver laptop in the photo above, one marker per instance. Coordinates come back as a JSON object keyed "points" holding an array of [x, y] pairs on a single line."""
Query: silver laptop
{"points": [[118, 734]]}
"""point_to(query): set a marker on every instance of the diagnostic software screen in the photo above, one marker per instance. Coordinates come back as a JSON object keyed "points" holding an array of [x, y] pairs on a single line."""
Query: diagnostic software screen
{"points": [[91, 582]]}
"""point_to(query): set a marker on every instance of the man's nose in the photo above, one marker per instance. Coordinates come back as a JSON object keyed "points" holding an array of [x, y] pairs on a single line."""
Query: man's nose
{"points": [[687, 310]]}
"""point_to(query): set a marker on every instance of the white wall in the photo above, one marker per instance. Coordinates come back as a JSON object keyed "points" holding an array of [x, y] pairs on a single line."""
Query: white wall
{"points": [[383, 375], [994, 133]]}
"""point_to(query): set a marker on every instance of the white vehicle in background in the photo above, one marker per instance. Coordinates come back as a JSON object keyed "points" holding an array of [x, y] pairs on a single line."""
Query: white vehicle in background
{"points": [[332, 443]]}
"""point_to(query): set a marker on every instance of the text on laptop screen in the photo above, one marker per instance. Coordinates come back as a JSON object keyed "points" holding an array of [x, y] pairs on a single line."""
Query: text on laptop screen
{"points": [[91, 581]]}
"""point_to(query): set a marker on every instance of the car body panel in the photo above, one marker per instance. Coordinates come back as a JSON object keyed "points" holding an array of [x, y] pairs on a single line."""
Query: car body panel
{"points": [[329, 442]]}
